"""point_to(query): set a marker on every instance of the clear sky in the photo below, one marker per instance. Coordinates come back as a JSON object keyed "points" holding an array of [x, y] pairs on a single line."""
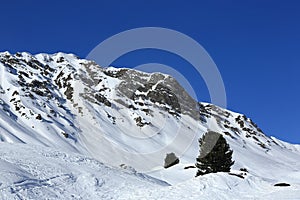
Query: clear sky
{"points": [[255, 44]]}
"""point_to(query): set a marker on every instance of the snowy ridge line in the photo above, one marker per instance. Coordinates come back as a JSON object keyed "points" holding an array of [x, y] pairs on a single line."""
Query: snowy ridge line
{"points": [[131, 119]]}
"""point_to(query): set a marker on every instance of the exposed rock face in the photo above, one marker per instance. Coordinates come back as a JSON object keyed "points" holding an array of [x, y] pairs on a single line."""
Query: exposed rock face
{"points": [[62, 100], [162, 90]]}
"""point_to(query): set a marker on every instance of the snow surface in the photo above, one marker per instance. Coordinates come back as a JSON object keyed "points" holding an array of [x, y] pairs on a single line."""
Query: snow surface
{"points": [[58, 143], [36, 172]]}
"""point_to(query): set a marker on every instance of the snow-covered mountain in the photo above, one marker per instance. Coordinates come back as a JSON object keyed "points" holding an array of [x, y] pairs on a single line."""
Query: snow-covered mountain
{"points": [[129, 120]]}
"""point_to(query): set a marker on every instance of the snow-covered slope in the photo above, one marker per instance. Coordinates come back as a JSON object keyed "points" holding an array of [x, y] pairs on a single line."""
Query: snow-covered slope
{"points": [[129, 119], [47, 173]]}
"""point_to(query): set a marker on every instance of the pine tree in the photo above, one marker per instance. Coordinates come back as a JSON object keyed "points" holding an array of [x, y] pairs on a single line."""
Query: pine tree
{"points": [[215, 154]]}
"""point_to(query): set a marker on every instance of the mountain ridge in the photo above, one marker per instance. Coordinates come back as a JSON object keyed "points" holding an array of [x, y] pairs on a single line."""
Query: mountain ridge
{"points": [[124, 117]]}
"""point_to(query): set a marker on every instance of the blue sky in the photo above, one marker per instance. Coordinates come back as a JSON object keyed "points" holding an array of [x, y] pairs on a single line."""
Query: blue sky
{"points": [[255, 44]]}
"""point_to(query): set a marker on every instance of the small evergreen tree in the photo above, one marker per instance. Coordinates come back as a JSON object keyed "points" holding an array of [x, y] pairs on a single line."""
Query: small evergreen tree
{"points": [[171, 160], [215, 154]]}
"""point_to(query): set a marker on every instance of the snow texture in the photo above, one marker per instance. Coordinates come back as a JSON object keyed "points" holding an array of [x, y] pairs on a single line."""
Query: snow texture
{"points": [[70, 129]]}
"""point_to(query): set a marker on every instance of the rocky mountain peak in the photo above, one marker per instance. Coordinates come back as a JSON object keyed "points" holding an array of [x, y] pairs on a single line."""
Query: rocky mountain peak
{"points": [[120, 115]]}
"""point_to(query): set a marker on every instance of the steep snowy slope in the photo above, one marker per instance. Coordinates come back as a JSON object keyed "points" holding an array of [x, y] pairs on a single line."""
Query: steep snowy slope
{"points": [[124, 117]]}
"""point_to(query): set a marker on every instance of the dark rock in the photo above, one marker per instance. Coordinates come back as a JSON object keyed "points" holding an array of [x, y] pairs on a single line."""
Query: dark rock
{"points": [[60, 60], [171, 160], [237, 175], [189, 167], [66, 135], [282, 184], [115, 73], [139, 122], [244, 170], [39, 117], [100, 98]]}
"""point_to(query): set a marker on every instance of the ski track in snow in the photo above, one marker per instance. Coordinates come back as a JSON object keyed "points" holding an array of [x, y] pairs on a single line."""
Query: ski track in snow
{"points": [[45, 173], [63, 151]]}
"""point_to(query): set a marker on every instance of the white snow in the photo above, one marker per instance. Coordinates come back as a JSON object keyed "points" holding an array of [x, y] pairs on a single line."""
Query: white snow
{"points": [[46, 173], [50, 165]]}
